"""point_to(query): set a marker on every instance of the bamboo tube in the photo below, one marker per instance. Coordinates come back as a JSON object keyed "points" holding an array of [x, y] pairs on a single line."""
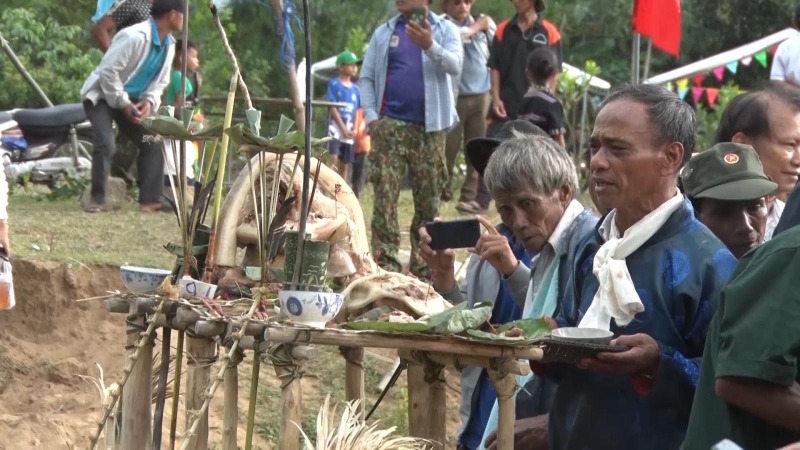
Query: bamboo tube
{"points": [[277, 335], [230, 416], [226, 358], [505, 383], [200, 352], [251, 408], [126, 373], [176, 390], [354, 376]]}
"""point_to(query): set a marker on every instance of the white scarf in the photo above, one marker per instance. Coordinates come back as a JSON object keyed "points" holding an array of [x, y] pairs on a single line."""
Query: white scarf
{"points": [[616, 297]]}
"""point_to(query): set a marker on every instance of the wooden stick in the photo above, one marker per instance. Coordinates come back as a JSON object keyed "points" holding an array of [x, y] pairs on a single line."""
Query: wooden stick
{"points": [[226, 357], [161, 396], [231, 55], [505, 383], [126, 372], [431, 343], [251, 408], [230, 417], [176, 390], [354, 376]]}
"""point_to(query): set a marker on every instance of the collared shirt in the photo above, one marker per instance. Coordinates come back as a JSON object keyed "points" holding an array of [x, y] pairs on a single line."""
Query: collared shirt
{"points": [[404, 98], [440, 64], [773, 219], [509, 56], [475, 75], [786, 63], [791, 213], [151, 66], [541, 262]]}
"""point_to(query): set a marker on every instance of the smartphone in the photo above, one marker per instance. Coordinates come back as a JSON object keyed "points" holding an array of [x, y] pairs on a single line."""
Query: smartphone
{"points": [[454, 234], [418, 15]]}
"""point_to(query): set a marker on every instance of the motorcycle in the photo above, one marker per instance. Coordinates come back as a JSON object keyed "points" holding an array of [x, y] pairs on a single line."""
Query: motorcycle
{"points": [[47, 143]]}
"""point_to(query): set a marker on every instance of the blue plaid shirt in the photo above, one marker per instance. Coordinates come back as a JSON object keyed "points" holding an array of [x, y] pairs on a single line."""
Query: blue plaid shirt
{"points": [[441, 65]]}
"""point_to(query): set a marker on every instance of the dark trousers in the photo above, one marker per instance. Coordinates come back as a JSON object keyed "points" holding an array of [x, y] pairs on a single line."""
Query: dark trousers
{"points": [[150, 162], [358, 172]]}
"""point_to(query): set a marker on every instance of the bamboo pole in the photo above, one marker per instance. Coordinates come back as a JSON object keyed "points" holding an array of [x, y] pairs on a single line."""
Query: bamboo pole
{"points": [[161, 396], [229, 51], [251, 408], [226, 358], [427, 407], [200, 356], [126, 373], [276, 335], [354, 376], [230, 416], [176, 390], [505, 383]]}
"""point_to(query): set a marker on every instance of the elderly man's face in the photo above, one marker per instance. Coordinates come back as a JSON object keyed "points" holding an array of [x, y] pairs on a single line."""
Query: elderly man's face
{"points": [[627, 163], [779, 151], [531, 215], [740, 225]]}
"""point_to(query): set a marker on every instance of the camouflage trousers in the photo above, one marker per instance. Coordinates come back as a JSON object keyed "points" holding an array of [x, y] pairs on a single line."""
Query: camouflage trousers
{"points": [[397, 145]]}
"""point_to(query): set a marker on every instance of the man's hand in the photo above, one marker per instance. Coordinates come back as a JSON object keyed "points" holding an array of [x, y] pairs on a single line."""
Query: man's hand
{"points": [[530, 434], [349, 134], [499, 108], [420, 34], [495, 249], [145, 108], [642, 358], [439, 261], [4, 241], [483, 23], [131, 112]]}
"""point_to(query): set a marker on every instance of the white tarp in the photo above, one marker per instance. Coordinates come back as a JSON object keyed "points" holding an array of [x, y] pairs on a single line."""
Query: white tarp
{"points": [[721, 59]]}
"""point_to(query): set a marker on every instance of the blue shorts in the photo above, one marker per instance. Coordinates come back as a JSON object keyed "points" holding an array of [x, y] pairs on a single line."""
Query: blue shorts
{"points": [[341, 150]]}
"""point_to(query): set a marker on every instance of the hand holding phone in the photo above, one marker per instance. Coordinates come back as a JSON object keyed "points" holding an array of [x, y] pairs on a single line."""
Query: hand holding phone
{"points": [[418, 15]]}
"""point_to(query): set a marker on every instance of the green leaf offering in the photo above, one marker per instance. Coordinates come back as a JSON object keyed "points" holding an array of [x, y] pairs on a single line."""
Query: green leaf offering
{"points": [[289, 142], [460, 318], [171, 128], [177, 249], [419, 327], [531, 329]]}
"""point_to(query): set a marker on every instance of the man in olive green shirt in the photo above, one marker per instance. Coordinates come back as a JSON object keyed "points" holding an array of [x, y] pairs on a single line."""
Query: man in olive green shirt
{"points": [[748, 390]]}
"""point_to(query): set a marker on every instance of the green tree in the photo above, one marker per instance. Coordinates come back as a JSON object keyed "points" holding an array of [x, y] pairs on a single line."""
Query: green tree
{"points": [[51, 52]]}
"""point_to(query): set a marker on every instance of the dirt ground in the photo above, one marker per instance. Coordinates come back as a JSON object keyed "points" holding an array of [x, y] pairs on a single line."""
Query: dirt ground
{"points": [[50, 345]]}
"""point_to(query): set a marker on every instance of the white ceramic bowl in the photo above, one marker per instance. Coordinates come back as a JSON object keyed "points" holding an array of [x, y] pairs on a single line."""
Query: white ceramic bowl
{"points": [[314, 309], [585, 335], [191, 288], [142, 279]]}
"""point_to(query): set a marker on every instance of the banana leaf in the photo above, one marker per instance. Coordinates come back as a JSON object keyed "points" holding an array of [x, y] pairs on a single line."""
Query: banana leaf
{"points": [[531, 329], [281, 144], [171, 128]]}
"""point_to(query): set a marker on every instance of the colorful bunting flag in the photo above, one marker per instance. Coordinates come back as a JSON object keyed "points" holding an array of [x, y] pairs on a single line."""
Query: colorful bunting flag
{"points": [[773, 50], [697, 92], [719, 72], [711, 95], [761, 57], [698, 79], [670, 86], [683, 84], [733, 67], [746, 61], [682, 91]]}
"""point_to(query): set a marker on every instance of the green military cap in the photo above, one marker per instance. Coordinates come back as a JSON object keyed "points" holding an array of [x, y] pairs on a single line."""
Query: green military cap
{"points": [[726, 171], [346, 57]]}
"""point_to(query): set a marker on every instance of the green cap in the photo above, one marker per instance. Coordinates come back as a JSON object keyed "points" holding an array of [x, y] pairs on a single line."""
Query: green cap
{"points": [[346, 57], [726, 171]]}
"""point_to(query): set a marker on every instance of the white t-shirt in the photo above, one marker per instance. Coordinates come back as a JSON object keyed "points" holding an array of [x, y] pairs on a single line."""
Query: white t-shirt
{"points": [[786, 64]]}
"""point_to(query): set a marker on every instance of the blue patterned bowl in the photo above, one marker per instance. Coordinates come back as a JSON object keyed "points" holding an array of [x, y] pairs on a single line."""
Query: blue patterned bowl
{"points": [[314, 309], [142, 279]]}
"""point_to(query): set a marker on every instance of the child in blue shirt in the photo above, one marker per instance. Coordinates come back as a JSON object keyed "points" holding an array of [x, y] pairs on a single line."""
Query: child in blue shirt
{"points": [[343, 90]]}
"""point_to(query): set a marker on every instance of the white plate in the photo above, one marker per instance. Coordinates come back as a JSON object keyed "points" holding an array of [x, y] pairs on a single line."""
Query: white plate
{"points": [[585, 335]]}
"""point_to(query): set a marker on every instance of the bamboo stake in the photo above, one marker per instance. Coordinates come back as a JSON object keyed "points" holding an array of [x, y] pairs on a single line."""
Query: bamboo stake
{"points": [[126, 372], [505, 383], [251, 409], [220, 184], [201, 354], [230, 418], [166, 336], [176, 390], [226, 357], [354, 377]]}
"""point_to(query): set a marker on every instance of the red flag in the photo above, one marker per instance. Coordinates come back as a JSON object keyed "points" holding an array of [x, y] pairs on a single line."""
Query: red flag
{"points": [[660, 20]]}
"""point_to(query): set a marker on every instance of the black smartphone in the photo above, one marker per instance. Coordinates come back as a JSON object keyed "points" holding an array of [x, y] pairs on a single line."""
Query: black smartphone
{"points": [[454, 234], [418, 15]]}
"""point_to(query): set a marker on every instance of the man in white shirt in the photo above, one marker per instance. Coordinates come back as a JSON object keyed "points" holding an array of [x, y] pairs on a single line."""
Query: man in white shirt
{"points": [[769, 121], [786, 64]]}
